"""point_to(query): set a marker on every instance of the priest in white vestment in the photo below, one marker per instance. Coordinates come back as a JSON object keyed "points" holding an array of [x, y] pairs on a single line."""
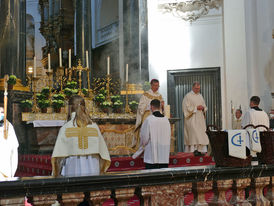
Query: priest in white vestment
{"points": [[194, 109], [8, 150], [255, 115], [143, 110], [155, 138], [80, 149]]}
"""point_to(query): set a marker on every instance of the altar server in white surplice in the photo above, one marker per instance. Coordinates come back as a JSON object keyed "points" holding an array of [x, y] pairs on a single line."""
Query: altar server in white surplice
{"points": [[80, 149], [8, 149], [155, 138], [255, 115], [143, 110], [194, 109]]}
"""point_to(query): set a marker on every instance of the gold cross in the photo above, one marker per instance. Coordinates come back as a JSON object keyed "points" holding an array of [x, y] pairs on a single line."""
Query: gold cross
{"points": [[82, 133]]}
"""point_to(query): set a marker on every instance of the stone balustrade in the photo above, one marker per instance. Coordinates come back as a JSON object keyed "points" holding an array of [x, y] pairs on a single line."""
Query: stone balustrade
{"points": [[153, 187]]}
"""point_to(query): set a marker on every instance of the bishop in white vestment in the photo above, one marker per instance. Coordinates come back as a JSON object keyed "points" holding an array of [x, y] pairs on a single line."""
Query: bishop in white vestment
{"points": [[194, 109]]}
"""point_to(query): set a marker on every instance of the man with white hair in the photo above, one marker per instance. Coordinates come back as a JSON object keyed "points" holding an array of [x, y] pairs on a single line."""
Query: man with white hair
{"points": [[194, 108]]}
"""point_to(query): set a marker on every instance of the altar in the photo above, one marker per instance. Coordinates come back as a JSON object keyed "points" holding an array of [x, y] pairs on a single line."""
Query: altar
{"points": [[117, 130]]}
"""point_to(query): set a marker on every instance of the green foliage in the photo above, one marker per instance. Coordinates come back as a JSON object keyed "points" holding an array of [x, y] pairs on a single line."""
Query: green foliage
{"points": [[115, 98], [85, 91], [105, 104], [100, 98], [133, 105], [40, 96], [57, 103], [58, 97], [68, 92], [43, 103], [117, 104], [26, 103], [45, 91], [12, 79], [71, 84]]}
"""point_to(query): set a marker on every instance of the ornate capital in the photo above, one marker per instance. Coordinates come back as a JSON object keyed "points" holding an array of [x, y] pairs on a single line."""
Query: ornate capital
{"points": [[188, 10]]}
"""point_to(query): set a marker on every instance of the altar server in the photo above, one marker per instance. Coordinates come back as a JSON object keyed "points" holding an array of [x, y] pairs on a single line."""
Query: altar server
{"points": [[80, 149], [143, 110], [255, 115], [155, 138], [8, 149]]}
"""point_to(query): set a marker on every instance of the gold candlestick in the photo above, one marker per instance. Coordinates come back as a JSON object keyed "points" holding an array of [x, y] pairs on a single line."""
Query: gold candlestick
{"points": [[127, 109], [34, 82]]}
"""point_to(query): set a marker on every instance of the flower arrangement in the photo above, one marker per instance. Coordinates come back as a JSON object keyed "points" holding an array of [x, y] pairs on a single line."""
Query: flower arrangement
{"points": [[58, 97], [85, 91], [68, 91], [26, 105], [71, 84], [106, 104], [115, 98], [40, 96], [117, 106], [12, 80], [43, 103], [57, 103], [100, 98], [45, 91], [133, 105]]}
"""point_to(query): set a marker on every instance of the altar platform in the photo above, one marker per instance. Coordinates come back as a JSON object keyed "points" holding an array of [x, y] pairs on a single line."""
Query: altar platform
{"points": [[40, 165]]}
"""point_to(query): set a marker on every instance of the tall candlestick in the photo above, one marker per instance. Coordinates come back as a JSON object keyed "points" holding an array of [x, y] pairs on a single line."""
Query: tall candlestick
{"points": [[69, 58], [108, 65], [60, 57], [49, 62], [87, 58], [34, 66], [127, 73]]}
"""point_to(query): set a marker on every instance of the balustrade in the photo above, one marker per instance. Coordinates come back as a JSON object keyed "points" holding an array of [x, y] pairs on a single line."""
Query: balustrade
{"points": [[152, 187]]}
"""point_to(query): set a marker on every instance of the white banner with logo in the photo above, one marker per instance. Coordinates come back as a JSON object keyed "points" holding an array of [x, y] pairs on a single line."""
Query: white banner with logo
{"points": [[237, 143]]}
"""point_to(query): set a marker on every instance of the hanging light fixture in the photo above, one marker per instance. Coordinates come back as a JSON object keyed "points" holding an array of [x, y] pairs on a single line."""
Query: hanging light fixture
{"points": [[188, 10]]}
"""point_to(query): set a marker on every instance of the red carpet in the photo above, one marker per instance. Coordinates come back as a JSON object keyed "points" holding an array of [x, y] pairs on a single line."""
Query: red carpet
{"points": [[40, 165]]}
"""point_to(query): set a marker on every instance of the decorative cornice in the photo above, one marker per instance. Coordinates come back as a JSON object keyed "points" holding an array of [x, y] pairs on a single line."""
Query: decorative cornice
{"points": [[188, 10]]}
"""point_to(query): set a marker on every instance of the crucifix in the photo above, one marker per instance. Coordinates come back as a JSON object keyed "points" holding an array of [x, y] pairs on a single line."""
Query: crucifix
{"points": [[82, 133]]}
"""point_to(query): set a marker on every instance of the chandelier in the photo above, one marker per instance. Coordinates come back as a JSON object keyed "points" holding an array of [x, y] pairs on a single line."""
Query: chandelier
{"points": [[188, 10]]}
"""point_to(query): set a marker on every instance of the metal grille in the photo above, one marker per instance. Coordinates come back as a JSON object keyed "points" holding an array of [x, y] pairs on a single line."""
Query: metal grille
{"points": [[180, 83]]}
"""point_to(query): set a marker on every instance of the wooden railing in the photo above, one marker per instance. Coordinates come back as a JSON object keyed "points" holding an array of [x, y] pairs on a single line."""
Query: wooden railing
{"points": [[153, 187]]}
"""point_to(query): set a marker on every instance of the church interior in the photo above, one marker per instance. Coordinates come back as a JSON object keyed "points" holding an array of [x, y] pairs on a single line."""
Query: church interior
{"points": [[108, 51]]}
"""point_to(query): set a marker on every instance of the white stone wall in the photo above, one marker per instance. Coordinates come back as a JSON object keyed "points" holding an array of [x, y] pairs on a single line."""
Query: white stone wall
{"points": [[237, 38]]}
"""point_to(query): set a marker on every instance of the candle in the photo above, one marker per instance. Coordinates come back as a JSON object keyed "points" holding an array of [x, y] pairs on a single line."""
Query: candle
{"points": [[87, 58], [60, 57], [34, 66], [49, 62], [108, 67], [69, 58], [127, 73]]}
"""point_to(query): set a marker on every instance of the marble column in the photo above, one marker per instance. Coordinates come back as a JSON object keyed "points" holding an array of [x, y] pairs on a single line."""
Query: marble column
{"points": [[12, 42]]}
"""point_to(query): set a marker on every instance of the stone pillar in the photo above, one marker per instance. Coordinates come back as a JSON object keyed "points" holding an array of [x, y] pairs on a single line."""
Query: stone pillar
{"points": [[12, 201], [123, 195], [220, 188], [44, 200], [12, 28], [99, 197], [199, 190], [238, 197], [165, 194], [72, 199], [257, 197]]}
